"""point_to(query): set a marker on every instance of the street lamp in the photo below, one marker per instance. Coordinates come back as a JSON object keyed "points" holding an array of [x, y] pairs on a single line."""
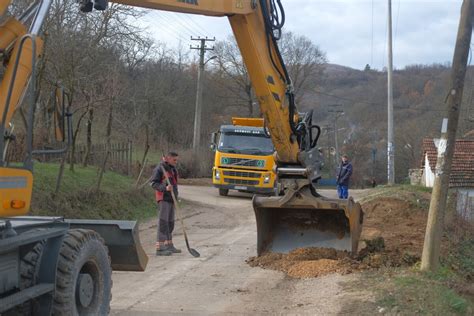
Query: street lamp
{"points": [[211, 58]]}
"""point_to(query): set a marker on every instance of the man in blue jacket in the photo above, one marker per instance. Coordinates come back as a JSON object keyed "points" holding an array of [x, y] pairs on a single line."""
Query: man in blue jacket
{"points": [[343, 175]]}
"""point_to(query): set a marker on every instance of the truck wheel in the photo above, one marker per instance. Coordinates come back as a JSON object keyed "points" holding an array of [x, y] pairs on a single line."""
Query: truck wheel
{"points": [[84, 275], [223, 192]]}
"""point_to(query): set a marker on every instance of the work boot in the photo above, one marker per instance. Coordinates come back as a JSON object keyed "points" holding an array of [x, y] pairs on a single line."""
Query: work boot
{"points": [[173, 249], [163, 252]]}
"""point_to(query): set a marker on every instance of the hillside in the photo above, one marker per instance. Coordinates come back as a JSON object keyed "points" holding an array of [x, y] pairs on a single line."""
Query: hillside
{"points": [[419, 94], [77, 198]]}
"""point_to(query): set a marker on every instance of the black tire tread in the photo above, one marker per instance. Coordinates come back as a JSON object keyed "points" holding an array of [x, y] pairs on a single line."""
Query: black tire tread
{"points": [[70, 248], [223, 192]]}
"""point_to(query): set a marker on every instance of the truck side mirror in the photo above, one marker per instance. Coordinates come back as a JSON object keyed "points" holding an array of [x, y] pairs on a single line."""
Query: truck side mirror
{"points": [[213, 141], [59, 114]]}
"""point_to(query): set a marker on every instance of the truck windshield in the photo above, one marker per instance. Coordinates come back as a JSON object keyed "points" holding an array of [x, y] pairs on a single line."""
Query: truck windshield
{"points": [[250, 144]]}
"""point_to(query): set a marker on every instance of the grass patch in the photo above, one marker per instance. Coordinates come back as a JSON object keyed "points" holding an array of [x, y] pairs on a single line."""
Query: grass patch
{"points": [[461, 259], [399, 291], [78, 197], [417, 293], [418, 196]]}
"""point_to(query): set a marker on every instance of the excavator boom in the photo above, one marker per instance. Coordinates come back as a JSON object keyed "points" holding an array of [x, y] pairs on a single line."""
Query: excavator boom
{"points": [[299, 217]]}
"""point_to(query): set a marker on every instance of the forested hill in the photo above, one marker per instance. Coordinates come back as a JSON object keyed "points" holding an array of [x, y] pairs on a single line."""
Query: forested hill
{"points": [[419, 96]]}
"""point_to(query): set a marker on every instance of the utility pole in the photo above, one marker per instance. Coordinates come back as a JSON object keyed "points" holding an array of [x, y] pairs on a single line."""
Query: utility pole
{"points": [[327, 128], [434, 227], [197, 114], [390, 143], [374, 153], [337, 114]]}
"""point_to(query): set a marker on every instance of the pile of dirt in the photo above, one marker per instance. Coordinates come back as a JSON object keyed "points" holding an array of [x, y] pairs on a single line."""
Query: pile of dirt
{"points": [[312, 269], [304, 262], [392, 236], [399, 222]]}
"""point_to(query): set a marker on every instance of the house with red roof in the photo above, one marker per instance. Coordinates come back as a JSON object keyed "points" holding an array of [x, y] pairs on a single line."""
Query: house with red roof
{"points": [[462, 172]]}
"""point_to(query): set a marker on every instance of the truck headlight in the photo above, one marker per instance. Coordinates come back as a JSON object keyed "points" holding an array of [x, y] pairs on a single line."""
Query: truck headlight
{"points": [[266, 178], [217, 175]]}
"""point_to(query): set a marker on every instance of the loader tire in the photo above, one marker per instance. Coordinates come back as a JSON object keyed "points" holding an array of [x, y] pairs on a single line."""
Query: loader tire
{"points": [[223, 192], [84, 275], [29, 269]]}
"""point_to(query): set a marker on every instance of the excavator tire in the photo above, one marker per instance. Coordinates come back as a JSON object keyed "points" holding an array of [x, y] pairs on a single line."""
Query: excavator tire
{"points": [[84, 275]]}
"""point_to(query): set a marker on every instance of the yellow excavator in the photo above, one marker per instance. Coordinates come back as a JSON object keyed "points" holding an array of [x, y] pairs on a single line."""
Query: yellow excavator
{"points": [[46, 250]]}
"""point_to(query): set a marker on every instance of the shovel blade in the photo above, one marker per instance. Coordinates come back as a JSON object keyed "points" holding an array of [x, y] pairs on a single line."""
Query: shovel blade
{"points": [[194, 253]]}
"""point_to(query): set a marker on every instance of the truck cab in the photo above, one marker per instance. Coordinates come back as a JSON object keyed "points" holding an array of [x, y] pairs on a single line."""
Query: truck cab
{"points": [[243, 158]]}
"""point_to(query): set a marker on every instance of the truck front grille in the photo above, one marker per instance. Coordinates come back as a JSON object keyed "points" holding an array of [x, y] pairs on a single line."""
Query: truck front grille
{"points": [[242, 174], [260, 163]]}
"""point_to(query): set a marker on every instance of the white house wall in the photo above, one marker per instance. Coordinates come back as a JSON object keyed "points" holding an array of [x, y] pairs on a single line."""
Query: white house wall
{"points": [[429, 175]]}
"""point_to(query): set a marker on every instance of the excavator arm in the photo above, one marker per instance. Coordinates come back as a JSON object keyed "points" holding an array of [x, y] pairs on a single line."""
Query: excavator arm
{"points": [[299, 217]]}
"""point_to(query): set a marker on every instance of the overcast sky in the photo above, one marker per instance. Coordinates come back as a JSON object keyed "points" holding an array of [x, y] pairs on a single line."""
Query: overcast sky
{"points": [[352, 32]]}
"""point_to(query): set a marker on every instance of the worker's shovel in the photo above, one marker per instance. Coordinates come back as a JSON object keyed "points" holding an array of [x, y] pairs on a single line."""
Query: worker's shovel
{"points": [[192, 251]]}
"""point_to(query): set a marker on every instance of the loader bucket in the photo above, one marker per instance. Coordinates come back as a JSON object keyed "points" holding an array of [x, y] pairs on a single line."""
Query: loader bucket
{"points": [[122, 240], [300, 220]]}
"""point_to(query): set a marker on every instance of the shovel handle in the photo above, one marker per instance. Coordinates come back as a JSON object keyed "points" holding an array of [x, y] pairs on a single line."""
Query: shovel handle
{"points": [[178, 211]]}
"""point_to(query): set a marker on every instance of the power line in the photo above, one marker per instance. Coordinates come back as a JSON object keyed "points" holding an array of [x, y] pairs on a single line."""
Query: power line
{"points": [[353, 101], [170, 25], [193, 21], [183, 23], [372, 42], [396, 21]]}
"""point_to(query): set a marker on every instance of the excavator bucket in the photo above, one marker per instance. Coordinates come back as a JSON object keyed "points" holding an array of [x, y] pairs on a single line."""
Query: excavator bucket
{"points": [[300, 219], [122, 240]]}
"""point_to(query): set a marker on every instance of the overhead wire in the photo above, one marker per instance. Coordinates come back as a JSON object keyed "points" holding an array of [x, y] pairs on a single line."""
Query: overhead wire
{"points": [[170, 25], [353, 101], [163, 25], [180, 21], [469, 103], [396, 20], [198, 25], [372, 40]]}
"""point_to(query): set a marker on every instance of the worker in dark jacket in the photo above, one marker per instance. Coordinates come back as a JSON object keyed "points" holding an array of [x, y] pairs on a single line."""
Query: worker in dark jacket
{"points": [[164, 241], [343, 175]]}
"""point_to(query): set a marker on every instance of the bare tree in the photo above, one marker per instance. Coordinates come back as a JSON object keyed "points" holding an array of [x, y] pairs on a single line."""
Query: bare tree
{"points": [[232, 75]]}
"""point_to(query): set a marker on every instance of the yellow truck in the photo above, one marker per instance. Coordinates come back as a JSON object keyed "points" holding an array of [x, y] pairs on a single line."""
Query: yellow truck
{"points": [[243, 157]]}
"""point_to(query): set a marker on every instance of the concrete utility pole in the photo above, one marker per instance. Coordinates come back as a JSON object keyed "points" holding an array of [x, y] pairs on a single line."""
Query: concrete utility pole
{"points": [[327, 129], [197, 114], [390, 143], [434, 227], [337, 114]]}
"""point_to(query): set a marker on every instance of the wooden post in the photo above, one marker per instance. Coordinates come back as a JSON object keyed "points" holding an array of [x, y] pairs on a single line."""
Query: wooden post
{"points": [[141, 172], [434, 228], [129, 162]]}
